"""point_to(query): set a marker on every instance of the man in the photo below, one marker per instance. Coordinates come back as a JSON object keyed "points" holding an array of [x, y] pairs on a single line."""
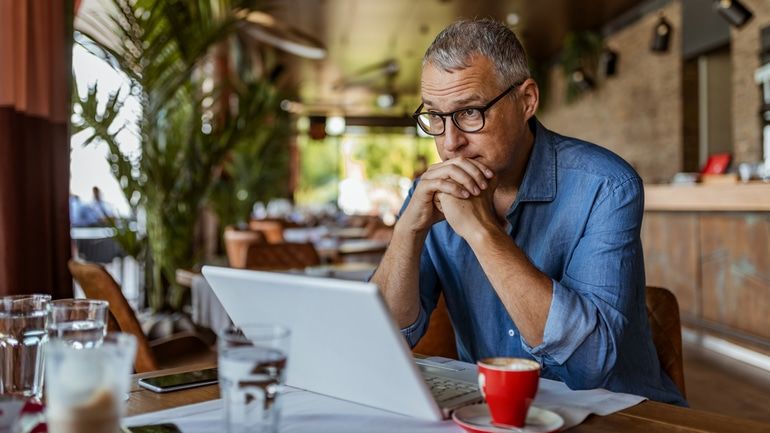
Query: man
{"points": [[532, 237], [97, 212], [76, 219]]}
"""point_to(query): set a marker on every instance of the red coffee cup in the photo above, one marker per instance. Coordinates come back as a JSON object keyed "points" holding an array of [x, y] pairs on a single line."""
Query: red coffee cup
{"points": [[508, 385]]}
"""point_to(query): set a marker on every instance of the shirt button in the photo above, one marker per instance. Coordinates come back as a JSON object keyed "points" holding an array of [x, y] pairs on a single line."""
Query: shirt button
{"points": [[511, 332]]}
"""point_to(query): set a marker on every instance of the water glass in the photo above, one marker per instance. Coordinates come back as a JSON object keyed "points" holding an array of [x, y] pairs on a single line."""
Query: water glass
{"points": [[22, 335], [85, 386], [80, 322], [252, 364]]}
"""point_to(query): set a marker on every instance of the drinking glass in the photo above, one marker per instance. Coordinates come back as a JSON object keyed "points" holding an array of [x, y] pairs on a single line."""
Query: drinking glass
{"points": [[252, 363], [85, 385], [80, 322], [22, 335]]}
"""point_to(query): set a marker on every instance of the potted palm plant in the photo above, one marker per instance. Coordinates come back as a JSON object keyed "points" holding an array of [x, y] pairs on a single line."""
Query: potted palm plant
{"points": [[168, 51]]}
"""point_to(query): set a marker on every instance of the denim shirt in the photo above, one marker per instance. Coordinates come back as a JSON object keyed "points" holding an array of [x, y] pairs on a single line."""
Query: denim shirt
{"points": [[577, 216]]}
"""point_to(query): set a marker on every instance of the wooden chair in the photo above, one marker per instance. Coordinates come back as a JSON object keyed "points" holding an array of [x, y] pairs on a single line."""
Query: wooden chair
{"points": [[272, 229], [183, 348], [285, 255], [237, 243], [439, 339], [359, 220], [662, 312], [381, 233], [663, 315]]}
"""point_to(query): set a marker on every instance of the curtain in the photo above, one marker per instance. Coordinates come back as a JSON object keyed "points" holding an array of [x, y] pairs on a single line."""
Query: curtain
{"points": [[35, 80]]}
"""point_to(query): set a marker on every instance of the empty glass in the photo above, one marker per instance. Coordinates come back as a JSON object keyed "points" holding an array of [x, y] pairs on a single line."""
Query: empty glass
{"points": [[80, 322], [22, 334], [252, 364]]}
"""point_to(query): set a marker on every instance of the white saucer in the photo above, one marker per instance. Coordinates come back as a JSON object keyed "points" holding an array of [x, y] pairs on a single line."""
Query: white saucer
{"points": [[476, 419]]}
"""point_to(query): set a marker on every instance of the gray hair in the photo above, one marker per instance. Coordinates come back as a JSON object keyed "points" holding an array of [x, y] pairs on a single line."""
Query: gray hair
{"points": [[456, 45]]}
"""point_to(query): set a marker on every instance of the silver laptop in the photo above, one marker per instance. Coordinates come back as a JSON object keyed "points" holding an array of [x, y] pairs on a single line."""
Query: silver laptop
{"points": [[344, 342]]}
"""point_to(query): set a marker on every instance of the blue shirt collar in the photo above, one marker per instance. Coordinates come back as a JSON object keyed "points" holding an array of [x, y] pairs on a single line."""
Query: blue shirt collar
{"points": [[539, 183]]}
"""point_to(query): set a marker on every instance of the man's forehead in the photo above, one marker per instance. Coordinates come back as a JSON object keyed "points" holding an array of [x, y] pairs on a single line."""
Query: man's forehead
{"points": [[457, 86], [453, 94], [452, 102]]}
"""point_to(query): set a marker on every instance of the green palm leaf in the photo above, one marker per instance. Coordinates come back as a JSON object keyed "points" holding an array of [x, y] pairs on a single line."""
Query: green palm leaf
{"points": [[162, 46]]}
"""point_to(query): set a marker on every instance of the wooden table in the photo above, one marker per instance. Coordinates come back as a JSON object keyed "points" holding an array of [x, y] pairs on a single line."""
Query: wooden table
{"points": [[366, 250], [645, 417]]}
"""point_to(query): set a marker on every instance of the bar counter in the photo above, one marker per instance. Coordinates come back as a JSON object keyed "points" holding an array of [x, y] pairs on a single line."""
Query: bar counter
{"points": [[710, 245], [753, 196]]}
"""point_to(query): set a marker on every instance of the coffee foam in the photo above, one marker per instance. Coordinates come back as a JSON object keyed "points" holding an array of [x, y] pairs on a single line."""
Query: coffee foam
{"points": [[510, 364]]}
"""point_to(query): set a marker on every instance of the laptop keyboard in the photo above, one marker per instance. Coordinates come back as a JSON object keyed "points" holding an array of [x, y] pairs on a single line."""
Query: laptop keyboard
{"points": [[445, 389]]}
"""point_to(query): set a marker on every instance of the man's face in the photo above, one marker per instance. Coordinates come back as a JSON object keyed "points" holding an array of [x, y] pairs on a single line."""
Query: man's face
{"points": [[505, 123]]}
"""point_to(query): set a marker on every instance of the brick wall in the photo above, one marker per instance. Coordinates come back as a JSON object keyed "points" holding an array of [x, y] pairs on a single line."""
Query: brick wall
{"points": [[638, 112], [746, 97]]}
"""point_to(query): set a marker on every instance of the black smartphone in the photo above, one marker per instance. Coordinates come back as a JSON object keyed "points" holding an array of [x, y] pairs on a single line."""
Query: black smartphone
{"points": [[154, 428], [173, 382]]}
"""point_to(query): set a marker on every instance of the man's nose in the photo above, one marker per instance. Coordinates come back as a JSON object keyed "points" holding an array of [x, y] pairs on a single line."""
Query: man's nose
{"points": [[454, 138]]}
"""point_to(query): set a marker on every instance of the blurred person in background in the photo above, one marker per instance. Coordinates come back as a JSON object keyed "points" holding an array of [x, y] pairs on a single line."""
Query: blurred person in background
{"points": [[97, 212]]}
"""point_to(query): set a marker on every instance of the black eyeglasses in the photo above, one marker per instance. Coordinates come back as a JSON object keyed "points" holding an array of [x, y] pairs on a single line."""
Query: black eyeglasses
{"points": [[468, 119]]}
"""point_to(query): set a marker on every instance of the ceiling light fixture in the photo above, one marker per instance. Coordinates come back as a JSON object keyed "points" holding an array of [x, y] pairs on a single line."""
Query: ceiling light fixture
{"points": [[266, 29], [609, 62], [661, 36], [733, 11], [581, 80], [386, 100], [335, 125]]}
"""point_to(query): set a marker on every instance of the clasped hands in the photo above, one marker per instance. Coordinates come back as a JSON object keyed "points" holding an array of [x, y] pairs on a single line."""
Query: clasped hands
{"points": [[460, 190]]}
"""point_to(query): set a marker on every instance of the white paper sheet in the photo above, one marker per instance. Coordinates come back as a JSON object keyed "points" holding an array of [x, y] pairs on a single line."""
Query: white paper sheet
{"points": [[575, 406]]}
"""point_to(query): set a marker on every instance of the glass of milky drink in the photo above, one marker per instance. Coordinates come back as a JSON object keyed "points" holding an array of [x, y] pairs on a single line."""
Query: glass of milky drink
{"points": [[252, 368], [85, 386], [80, 322]]}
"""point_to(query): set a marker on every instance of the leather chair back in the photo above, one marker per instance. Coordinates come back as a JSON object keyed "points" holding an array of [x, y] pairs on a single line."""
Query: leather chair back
{"points": [[272, 229], [284, 255], [237, 244], [663, 314], [97, 283], [439, 339]]}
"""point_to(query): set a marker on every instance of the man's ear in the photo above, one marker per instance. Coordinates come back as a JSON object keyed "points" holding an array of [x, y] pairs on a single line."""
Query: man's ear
{"points": [[529, 94]]}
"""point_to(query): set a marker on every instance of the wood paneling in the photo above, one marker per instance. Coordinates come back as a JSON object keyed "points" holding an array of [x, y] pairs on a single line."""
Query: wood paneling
{"points": [[670, 242], [736, 271], [716, 263]]}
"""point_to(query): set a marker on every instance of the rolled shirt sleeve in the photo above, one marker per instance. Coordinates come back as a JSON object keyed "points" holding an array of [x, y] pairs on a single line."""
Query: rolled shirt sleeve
{"points": [[429, 294], [602, 286], [416, 330], [428, 286]]}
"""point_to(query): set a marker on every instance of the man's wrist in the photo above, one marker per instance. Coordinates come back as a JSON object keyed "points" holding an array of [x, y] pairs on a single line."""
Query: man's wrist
{"points": [[406, 232], [485, 235]]}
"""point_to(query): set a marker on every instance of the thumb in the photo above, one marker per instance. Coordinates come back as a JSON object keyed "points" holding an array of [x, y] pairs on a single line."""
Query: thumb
{"points": [[437, 203]]}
